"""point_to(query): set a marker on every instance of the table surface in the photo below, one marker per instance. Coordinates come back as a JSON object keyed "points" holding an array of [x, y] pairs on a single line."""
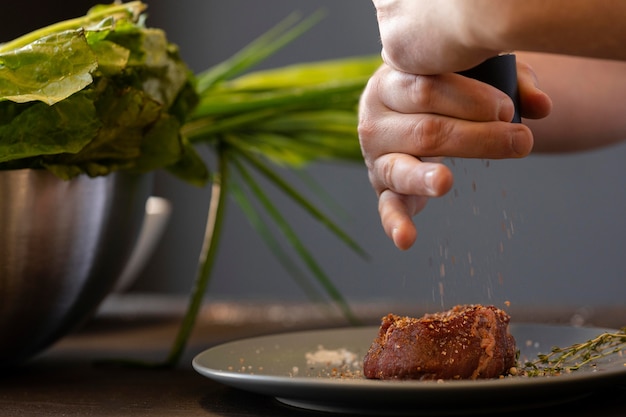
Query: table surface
{"points": [[68, 379]]}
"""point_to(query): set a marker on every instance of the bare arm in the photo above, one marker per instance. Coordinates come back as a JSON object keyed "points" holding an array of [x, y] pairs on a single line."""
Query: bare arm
{"points": [[589, 102], [404, 119], [572, 89], [433, 37]]}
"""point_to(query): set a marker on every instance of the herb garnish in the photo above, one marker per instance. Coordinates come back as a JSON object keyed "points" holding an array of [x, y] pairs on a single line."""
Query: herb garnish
{"points": [[572, 358]]}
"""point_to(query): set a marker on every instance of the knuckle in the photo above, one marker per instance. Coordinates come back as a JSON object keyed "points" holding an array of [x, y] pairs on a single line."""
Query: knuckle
{"points": [[422, 91], [369, 124], [380, 174], [393, 54], [523, 66], [367, 129], [386, 172], [428, 134]]}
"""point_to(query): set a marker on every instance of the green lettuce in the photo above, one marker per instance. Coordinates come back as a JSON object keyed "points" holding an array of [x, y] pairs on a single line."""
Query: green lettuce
{"points": [[97, 94]]}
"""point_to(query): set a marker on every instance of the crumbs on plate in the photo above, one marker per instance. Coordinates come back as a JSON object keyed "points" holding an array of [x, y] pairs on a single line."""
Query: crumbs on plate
{"points": [[333, 363]]}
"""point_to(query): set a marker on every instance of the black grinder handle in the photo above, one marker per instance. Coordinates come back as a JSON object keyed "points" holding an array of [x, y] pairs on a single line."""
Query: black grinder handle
{"points": [[500, 72]]}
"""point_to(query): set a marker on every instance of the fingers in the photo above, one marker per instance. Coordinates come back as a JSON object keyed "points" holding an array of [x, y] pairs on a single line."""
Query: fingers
{"points": [[396, 212], [535, 104], [447, 94], [404, 184], [405, 174], [428, 135], [443, 115], [405, 120]]}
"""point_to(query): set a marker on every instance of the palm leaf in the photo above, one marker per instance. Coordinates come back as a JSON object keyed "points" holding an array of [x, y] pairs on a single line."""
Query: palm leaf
{"points": [[306, 205], [272, 242], [257, 51], [295, 242], [287, 117]]}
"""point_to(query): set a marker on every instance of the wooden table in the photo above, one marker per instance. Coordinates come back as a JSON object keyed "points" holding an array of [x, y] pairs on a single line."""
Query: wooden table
{"points": [[66, 380]]}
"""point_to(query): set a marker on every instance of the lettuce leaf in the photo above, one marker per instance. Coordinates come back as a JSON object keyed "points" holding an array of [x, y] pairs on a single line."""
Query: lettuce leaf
{"points": [[97, 94], [49, 69]]}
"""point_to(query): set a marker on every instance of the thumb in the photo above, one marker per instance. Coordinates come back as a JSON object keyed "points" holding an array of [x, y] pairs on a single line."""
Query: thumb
{"points": [[534, 103]]}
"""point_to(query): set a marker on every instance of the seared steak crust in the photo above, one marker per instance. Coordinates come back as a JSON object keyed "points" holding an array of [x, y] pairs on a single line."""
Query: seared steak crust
{"points": [[466, 342]]}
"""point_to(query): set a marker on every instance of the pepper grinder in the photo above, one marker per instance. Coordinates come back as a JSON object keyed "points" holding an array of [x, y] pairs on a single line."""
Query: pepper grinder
{"points": [[500, 72]]}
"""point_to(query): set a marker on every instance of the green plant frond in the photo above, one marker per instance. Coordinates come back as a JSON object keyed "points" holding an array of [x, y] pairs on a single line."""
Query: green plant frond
{"points": [[296, 243], [319, 96], [295, 272], [322, 194], [297, 197], [208, 253], [204, 129], [323, 121], [299, 149], [279, 149], [264, 46], [337, 147], [304, 74], [292, 138], [229, 112]]}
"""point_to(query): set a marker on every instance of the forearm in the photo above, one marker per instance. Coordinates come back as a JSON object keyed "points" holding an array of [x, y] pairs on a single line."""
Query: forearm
{"points": [[589, 102], [434, 37], [416, 107], [573, 27]]}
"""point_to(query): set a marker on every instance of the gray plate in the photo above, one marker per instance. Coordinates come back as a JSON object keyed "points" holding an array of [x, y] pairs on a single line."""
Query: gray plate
{"points": [[277, 366]]}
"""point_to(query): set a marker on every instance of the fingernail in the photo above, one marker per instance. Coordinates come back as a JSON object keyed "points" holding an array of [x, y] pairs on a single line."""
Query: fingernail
{"points": [[429, 180], [520, 143], [506, 110], [534, 77], [397, 241], [394, 235]]}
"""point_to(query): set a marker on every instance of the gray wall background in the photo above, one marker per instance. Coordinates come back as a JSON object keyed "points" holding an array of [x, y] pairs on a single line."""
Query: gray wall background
{"points": [[543, 231]]}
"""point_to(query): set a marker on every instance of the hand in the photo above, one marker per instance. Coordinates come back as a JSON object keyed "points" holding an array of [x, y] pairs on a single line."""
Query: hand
{"points": [[407, 122], [429, 37], [436, 37]]}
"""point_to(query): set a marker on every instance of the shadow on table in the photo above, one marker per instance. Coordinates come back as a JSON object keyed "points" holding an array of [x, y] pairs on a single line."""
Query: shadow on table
{"points": [[227, 401]]}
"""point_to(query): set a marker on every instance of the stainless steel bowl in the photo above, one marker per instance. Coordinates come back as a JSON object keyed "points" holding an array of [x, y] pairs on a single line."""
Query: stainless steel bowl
{"points": [[63, 245]]}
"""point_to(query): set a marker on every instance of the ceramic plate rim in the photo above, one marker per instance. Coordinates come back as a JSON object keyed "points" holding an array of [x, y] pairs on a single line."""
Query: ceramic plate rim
{"points": [[297, 390]]}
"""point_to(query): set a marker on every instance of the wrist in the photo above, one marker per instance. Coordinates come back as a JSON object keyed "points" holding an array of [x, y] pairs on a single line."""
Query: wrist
{"points": [[481, 28]]}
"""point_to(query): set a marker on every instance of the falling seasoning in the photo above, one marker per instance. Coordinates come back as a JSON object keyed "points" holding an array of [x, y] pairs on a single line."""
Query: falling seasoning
{"points": [[488, 227]]}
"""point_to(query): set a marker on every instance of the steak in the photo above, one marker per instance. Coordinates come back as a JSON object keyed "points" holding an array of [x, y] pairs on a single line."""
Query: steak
{"points": [[466, 342]]}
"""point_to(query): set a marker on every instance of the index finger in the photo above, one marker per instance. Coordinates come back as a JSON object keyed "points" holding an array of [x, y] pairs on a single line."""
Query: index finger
{"points": [[451, 95]]}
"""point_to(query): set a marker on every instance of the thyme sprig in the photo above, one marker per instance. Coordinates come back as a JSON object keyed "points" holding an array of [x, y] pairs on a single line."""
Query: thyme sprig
{"points": [[572, 358]]}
